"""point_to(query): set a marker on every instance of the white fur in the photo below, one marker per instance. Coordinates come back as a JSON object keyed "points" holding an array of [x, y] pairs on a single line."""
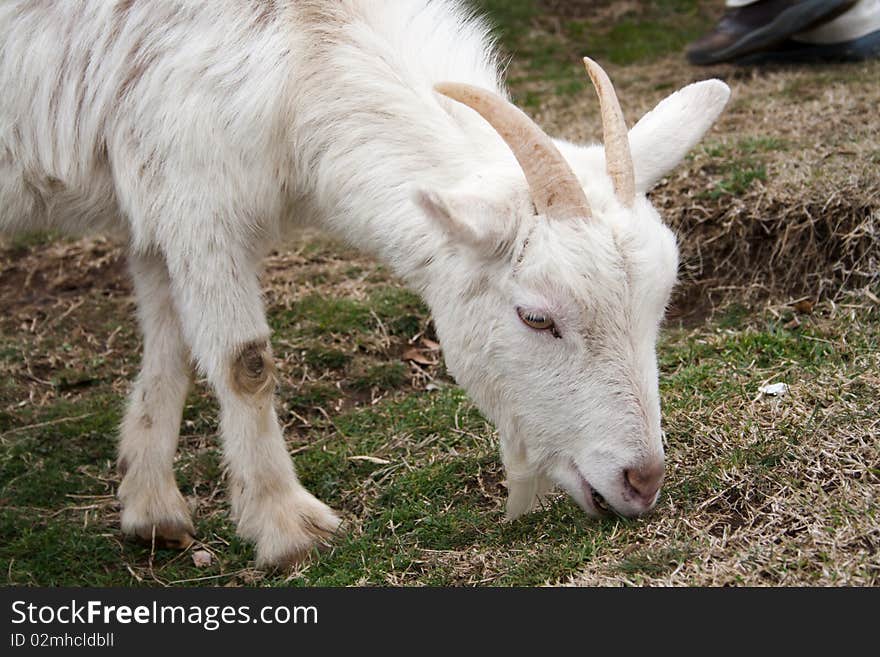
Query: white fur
{"points": [[200, 129]]}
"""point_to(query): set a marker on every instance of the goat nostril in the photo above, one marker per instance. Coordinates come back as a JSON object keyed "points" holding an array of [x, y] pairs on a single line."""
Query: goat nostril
{"points": [[644, 482]]}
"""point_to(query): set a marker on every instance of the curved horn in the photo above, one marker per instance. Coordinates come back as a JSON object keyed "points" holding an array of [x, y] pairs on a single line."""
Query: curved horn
{"points": [[618, 158], [556, 191]]}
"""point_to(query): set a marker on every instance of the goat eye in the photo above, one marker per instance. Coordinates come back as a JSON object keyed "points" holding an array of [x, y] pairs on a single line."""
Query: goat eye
{"points": [[536, 320]]}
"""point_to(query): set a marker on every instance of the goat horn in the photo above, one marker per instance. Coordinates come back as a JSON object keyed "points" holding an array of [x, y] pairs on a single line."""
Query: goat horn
{"points": [[556, 191], [618, 157]]}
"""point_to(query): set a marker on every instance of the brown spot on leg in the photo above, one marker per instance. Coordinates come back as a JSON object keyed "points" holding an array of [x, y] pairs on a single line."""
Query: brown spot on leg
{"points": [[122, 466], [146, 421], [253, 371]]}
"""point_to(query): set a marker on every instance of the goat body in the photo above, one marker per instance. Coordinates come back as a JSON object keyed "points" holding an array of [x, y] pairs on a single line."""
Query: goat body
{"points": [[198, 130]]}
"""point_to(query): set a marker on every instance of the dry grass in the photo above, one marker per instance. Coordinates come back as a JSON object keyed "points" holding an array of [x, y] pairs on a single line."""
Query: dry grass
{"points": [[795, 478], [783, 196]]}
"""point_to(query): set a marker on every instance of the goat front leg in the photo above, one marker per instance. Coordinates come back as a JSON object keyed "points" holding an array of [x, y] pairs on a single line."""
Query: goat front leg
{"points": [[218, 295], [152, 506]]}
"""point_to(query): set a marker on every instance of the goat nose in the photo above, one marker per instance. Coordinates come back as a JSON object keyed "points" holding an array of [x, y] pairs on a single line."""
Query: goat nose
{"points": [[645, 481]]}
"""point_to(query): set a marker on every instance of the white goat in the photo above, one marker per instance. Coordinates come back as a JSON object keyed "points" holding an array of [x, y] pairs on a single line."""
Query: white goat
{"points": [[199, 128]]}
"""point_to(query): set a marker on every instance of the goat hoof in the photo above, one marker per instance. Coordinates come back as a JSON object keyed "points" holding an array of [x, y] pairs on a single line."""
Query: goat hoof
{"points": [[300, 529], [171, 536], [161, 517]]}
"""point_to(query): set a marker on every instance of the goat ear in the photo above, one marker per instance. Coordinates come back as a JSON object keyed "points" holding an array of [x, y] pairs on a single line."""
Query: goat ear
{"points": [[440, 209], [466, 219], [664, 135]]}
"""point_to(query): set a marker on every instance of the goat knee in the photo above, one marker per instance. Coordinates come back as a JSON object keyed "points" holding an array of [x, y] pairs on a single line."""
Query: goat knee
{"points": [[252, 369]]}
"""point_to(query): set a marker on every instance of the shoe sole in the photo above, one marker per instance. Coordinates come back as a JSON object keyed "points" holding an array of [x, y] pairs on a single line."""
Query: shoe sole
{"points": [[798, 18], [857, 50]]}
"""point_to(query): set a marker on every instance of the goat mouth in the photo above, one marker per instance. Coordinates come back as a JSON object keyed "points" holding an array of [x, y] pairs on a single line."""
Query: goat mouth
{"points": [[600, 502], [593, 500]]}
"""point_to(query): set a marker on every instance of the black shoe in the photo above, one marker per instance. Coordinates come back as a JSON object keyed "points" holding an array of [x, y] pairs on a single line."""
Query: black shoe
{"points": [[759, 26], [856, 50]]}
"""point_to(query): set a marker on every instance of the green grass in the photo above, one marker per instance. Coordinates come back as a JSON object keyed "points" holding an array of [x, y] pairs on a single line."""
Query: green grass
{"points": [[316, 315], [426, 506], [313, 395], [738, 166], [23, 242], [384, 376], [551, 47], [327, 358]]}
